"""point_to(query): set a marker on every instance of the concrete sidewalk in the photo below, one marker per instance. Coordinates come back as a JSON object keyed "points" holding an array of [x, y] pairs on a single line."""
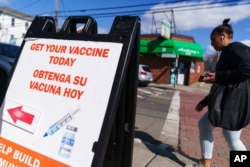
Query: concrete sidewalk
{"points": [[189, 138], [178, 144], [165, 152], [160, 152]]}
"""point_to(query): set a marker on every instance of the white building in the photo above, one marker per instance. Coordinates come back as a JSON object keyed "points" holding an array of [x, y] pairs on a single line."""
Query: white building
{"points": [[13, 25]]}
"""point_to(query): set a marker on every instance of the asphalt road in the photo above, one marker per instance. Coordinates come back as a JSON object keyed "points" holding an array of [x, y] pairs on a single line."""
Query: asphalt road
{"points": [[151, 112]]}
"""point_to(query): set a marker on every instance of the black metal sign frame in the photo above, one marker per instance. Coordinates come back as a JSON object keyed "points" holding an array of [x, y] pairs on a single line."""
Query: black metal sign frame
{"points": [[115, 144]]}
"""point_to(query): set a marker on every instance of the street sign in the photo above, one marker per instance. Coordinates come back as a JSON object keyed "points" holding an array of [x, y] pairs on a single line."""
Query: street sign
{"points": [[165, 29], [57, 101]]}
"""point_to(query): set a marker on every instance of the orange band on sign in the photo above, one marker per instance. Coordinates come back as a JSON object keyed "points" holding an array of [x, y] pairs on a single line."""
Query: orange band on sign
{"points": [[12, 154]]}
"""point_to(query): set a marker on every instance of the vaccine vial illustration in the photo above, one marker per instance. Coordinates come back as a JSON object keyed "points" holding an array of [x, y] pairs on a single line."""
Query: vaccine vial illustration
{"points": [[68, 141], [60, 123]]}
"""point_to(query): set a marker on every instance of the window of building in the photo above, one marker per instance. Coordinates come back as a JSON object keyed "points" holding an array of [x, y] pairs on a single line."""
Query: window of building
{"points": [[12, 39], [13, 22], [26, 25]]}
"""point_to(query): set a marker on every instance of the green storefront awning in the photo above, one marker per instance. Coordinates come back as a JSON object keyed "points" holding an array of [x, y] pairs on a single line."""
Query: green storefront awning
{"points": [[171, 47]]}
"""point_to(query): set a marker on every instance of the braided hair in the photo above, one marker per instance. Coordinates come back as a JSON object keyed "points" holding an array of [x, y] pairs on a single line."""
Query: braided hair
{"points": [[225, 27]]}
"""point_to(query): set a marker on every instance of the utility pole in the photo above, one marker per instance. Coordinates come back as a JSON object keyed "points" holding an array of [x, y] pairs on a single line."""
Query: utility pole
{"points": [[56, 13], [154, 25], [172, 22]]}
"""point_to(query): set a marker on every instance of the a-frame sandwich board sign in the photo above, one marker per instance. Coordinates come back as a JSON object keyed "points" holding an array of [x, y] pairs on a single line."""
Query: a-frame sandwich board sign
{"points": [[71, 97]]}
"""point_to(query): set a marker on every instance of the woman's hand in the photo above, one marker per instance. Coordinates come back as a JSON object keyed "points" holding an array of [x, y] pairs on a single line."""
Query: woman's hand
{"points": [[209, 78], [199, 107]]}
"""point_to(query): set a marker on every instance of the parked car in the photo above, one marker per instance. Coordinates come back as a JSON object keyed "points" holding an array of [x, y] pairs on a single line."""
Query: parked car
{"points": [[144, 75], [8, 54]]}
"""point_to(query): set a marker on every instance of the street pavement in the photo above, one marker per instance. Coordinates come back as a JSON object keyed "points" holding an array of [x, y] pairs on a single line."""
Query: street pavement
{"points": [[173, 141]]}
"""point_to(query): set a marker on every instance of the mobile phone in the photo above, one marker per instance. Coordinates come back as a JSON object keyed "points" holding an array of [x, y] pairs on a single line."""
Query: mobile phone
{"points": [[201, 78]]}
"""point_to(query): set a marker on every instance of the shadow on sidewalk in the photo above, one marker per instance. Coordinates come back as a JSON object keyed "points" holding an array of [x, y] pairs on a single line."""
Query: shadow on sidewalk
{"points": [[160, 148]]}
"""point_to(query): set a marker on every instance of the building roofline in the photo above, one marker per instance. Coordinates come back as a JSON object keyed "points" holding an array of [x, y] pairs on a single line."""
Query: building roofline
{"points": [[15, 13], [179, 37]]}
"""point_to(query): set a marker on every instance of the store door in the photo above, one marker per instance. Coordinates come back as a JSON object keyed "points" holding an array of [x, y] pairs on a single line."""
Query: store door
{"points": [[183, 73]]}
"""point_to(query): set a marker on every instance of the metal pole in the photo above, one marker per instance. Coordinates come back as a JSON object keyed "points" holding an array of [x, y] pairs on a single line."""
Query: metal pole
{"points": [[56, 14], [176, 68]]}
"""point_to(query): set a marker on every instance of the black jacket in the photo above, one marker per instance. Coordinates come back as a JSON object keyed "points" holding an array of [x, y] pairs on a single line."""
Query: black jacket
{"points": [[233, 65]]}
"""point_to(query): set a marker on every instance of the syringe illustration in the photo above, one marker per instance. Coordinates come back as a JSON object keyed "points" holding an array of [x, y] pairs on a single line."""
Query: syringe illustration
{"points": [[59, 124]]}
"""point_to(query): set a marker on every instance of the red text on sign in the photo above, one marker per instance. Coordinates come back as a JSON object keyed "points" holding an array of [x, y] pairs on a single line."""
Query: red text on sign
{"points": [[61, 61], [54, 76], [56, 48], [37, 46], [80, 80], [73, 93], [47, 88], [94, 52]]}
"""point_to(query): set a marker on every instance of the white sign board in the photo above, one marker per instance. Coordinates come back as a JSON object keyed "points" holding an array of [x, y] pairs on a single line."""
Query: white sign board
{"points": [[165, 29], [56, 102]]}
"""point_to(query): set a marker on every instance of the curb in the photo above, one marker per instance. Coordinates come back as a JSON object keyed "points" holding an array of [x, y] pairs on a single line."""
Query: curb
{"points": [[170, 131]]}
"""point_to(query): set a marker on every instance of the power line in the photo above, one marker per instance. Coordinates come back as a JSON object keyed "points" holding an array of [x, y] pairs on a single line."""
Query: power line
{"points": [[117, 7], [28, 5], [178, 8]]}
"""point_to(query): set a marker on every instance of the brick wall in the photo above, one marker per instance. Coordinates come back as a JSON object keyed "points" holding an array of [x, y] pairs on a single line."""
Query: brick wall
{"points": [[160, 68], [199, 70]]}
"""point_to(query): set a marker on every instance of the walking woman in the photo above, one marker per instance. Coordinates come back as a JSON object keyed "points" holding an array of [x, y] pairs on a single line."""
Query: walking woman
{"points": [[233, 66]]}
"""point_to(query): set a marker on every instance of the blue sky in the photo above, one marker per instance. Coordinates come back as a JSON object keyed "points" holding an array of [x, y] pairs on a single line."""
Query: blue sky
{"points": [[193, 18]]}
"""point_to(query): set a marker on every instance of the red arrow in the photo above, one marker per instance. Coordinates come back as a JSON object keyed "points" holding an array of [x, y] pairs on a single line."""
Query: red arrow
{"points": [[17, 114]]}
